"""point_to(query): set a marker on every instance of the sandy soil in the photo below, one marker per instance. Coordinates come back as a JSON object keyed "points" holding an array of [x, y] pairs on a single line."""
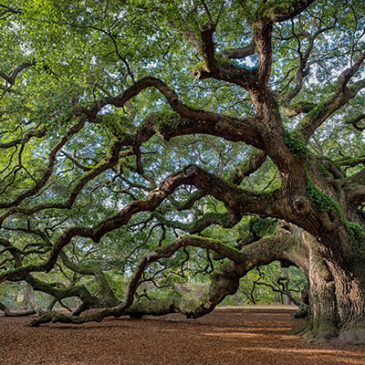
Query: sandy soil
{"points": [[226, 336]]}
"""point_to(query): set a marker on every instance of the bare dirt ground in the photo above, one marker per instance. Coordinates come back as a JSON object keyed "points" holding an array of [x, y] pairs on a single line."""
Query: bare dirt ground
{"points": [[226, 336]]}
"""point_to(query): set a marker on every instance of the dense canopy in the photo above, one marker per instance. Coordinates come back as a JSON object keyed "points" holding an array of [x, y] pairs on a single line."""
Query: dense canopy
{"points": [[146, 145]]}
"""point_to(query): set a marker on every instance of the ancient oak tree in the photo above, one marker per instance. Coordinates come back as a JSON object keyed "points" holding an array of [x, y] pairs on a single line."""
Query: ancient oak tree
{"points": [[144, 143]]}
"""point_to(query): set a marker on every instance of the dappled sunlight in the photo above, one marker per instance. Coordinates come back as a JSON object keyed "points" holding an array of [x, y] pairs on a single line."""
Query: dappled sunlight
{"points": [[289, 338], [207, 340], [316, 356], [263, 330], [308, 351], [233, 334], [339, 356], [251, 333]]}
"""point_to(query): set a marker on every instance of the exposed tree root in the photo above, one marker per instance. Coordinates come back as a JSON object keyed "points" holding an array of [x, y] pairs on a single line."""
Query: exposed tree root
{"points": [[320, 332], [327, 330]]}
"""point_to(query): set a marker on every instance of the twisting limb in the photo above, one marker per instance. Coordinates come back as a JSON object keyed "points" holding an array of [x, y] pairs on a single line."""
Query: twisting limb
{"points": [[192, 175], [152, 256], [208, 47], [247, 167], [76, 162], [277, 14], [240, 53], [301, 72], [262, 27], [343, 94], [6, 11], [350, 162], [194, 197], [153, 200], [60, 292], [107, 297], [356, 122], [295, 109], [282, 291], [223, 282], [263, 37], [225, 220], [104, 164], [10, 79], [184, 122], [38, 133]]}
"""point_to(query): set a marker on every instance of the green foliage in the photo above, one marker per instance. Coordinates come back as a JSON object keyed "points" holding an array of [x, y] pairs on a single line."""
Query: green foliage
{"points": [[314, 114], [89, 52], [164, 120], [255, 10], [118, 125], [199, 65]]}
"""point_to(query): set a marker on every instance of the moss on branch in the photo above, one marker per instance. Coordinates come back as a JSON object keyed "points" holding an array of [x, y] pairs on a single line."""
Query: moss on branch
{"points": [[295, 143], [164, 122], [263, 226], [357, 237], [322, 201]]}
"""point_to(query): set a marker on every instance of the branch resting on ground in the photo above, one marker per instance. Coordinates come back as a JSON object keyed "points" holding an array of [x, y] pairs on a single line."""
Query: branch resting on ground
{"points": [[223, 282]]}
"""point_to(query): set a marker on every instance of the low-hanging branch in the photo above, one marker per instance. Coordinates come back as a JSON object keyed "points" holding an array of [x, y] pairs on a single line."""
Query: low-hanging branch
{"points": [[223, 282], [192, 175], [152, 256]]}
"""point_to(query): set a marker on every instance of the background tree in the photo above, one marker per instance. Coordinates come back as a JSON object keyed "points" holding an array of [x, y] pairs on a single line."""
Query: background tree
{"points": [[126, 124]]}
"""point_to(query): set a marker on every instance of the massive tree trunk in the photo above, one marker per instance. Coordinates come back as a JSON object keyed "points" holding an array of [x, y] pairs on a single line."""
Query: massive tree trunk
{"points": [[336, 302], [337, 299], [336, 270], [336, 295]]}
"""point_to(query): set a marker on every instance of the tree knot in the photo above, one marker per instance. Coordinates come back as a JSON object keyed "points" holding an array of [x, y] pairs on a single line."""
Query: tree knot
{"points": [[301, 205]]}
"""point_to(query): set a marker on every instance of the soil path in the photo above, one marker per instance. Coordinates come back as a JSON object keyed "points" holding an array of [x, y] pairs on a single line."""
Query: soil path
{"points": [[226, 336]]}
